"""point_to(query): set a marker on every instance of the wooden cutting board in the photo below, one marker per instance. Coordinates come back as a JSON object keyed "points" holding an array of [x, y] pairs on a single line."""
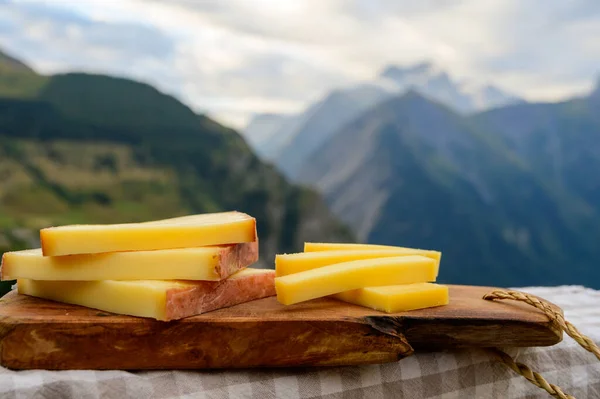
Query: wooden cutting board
{"points": [[39, 334]]}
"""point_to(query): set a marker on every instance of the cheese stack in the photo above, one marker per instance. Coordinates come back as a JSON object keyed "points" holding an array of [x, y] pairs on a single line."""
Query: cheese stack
{"points": [[385, 278], [167, 269]]}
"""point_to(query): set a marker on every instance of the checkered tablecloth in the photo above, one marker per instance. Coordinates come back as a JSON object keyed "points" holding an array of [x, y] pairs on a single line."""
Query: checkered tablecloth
{"points": [[455, 374]]}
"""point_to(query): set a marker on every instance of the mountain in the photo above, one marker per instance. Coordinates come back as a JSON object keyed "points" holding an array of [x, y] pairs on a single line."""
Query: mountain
{"points": [[261, 128], [9, 63], [560, 142], [488, 97], [267, 134], [413, 172], [17, 80], [86, 148], [436, 84], [412, 75], [322, 120], [290, 144], [425, 79]]}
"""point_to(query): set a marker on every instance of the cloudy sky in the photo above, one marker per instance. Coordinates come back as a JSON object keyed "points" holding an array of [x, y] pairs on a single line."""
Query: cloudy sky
{"points": [[232, 58]]}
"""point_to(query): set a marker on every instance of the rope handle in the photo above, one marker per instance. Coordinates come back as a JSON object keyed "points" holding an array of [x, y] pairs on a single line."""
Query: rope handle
{"points": [[555, 316]]}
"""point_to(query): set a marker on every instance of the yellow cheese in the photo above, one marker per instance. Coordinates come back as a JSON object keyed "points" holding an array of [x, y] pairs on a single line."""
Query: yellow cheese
{"points": [[182, 232], [295, 263], [203, 263], [323, 246], [327, 280], [137, 298], [158, 299], [398, 298]]}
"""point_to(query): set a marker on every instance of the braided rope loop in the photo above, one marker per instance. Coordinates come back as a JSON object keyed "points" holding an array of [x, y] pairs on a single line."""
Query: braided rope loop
{"points": [[531, 376], [555, 316]]}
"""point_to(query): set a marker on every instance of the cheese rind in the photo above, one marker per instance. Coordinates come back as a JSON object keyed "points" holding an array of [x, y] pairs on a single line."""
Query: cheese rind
{"points": [[398, 298], [203, 263], [294, 263], [183, 232], [324, 246], [328, 280], [158, 299]]}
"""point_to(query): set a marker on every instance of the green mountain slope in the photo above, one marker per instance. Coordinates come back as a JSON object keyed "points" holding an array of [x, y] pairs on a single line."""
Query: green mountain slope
{"points": [[88, 148], [411, 172], [9, 63], [17, 80], [559, 141]]}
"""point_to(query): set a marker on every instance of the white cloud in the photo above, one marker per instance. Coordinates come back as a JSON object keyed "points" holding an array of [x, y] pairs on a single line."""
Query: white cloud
{"points": [[233, 58]]}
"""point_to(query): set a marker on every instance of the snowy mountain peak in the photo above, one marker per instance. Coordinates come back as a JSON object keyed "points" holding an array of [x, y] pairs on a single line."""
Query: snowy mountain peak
{"points": [[409, 75], [435, 83], [289, 140]]}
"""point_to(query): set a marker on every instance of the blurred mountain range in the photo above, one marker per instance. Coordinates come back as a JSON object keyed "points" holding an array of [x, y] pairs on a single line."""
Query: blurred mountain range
{"points": [[508, 190], [511, 196], [79, 148], [289, 139]]}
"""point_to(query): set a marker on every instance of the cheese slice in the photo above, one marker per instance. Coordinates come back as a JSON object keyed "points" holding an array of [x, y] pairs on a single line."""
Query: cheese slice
{"points": [[398, 298], [328, 280], [158, 299], [323, 246], [203, 263], [183, 232], [294, 263]]}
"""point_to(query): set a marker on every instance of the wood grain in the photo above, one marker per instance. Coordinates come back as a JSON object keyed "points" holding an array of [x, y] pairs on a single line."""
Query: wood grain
{"points": [[35, 333]]}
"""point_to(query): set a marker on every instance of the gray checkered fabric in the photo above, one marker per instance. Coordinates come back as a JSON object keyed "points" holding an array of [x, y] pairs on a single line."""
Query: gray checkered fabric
{"points": [[446, 375]]}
